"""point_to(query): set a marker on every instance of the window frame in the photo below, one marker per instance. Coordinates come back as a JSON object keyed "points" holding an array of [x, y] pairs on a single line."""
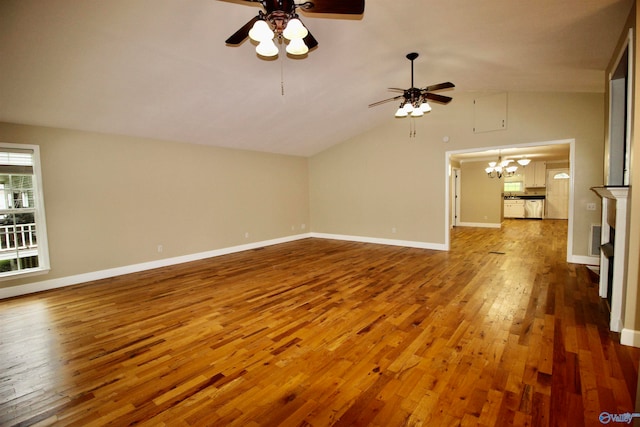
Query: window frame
{"points": [[39, 215]]}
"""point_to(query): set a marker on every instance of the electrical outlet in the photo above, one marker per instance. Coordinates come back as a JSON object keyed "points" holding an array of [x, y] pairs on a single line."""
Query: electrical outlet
{"points": [[591, 206], [393, 230], [160, 248], [246, 235]]}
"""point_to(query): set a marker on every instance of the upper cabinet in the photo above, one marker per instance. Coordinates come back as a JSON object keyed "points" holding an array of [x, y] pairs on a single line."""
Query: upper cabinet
{"points": [[490, 113], [535, 175]]}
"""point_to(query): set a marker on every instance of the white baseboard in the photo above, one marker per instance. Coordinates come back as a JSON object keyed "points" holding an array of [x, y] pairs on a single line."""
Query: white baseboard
{"points": [[630, 337], [381, 241], [45, 285], [479, 224]]}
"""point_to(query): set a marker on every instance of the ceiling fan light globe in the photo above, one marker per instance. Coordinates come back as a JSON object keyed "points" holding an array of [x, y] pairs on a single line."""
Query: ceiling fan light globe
{"points": [[417, 112], [401, 112], [295, 30], [425, 107], [267, 48], [297, 47], [407, 107], [261, 32]]}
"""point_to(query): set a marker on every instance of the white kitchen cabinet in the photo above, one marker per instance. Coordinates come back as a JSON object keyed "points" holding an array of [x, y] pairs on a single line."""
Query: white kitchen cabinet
{"points": [[513, 208], [535, 175]]}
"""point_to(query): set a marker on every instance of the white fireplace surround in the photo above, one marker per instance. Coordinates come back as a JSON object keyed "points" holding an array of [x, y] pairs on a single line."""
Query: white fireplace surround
{"points": [[614, 212]]}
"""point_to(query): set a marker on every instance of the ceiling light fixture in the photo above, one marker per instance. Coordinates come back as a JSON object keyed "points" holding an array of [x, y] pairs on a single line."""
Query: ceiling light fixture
{"points": [[523, 162], [280, 22], [500, 168], [414, 102], [279, 25]]}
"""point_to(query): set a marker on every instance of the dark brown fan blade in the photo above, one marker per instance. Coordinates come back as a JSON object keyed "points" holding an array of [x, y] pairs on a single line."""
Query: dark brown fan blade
{"points": [[310, 41], [396, 89], [438, 98], [239, 36], [386, 100], [346, 7], [439, 86]]}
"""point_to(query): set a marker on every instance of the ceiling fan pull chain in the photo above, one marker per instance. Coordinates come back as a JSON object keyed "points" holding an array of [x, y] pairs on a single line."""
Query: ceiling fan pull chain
{"points": [[282, 76]]}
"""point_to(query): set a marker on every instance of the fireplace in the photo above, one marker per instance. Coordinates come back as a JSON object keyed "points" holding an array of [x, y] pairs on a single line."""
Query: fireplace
{"points": [[613, 251]]}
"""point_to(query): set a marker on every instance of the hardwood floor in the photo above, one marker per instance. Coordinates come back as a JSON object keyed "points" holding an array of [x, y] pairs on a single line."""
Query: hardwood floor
{"points": [[498, 331]]}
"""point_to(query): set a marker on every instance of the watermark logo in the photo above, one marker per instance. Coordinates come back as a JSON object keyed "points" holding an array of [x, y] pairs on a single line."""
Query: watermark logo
{"points": [[606, 418]]}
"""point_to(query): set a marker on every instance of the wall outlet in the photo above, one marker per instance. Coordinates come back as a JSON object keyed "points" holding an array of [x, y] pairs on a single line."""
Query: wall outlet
{"points": [[591, 206], [160, 248], [393, 230], [303, 226], [246, 235]]}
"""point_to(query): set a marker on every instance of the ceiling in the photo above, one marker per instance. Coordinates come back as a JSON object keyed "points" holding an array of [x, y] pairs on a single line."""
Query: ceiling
{"points": [[160, 68]]}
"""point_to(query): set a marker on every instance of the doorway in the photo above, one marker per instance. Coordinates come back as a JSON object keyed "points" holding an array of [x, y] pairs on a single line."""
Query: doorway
{"points": [[514, 151]]}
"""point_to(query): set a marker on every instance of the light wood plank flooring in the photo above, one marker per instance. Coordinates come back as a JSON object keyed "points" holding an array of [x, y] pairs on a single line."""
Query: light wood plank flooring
{"points": [[498, 331]]}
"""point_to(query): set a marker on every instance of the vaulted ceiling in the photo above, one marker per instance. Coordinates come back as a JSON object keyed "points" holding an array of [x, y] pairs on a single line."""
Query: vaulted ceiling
{"points": [[161, 69]]}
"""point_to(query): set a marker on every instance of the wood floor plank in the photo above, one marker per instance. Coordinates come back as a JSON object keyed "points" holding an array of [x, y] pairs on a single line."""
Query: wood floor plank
{"points": [[498, 331]]}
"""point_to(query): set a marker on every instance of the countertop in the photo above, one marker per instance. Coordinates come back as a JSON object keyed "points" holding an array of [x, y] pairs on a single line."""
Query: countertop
{"points": [[525, 197]]}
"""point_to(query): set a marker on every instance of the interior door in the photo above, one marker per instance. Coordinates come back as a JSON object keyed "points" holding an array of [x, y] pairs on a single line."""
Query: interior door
{"points": [[557, 199]]}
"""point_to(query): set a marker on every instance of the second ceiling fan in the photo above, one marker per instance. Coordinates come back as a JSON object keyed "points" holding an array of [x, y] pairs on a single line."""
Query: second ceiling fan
{"points": [[415, 101]]}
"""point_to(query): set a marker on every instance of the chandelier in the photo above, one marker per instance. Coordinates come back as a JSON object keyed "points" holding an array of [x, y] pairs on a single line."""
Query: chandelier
{"points": [[501, 167]]}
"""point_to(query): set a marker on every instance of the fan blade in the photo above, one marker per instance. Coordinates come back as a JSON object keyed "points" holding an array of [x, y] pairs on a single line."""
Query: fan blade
{"points": [[386, 100], [310, 41], [239, 36], [347, 7], [439, 86], [396, 89], [438, 98]]}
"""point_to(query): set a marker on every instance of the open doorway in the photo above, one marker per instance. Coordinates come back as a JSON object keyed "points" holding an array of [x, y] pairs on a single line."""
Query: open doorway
{"points": [[558, 154]]}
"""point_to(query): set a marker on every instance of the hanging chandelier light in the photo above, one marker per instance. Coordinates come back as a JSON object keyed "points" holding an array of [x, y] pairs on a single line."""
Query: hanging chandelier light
{"points": [[500, 168]]}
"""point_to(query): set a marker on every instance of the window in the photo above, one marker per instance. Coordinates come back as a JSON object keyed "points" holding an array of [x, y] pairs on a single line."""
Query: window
{"points": [[23, 238], [513, 187]]}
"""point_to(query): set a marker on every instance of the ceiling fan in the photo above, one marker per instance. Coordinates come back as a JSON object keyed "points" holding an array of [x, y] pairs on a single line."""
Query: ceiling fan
{"points": [[415, 100], [280, 20]]}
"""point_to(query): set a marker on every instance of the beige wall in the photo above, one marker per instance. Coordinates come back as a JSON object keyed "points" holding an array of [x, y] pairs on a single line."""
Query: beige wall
{"points": [[110, 200], [481, 197], [383, 179]]}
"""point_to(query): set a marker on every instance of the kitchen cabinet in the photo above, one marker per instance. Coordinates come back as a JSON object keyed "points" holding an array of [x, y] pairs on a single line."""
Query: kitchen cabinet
{"points": [[513, 208], [535, 175]]}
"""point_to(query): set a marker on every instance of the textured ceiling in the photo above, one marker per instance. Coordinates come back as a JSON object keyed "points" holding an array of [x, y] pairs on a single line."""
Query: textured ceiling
{"points": [[161, 69]]}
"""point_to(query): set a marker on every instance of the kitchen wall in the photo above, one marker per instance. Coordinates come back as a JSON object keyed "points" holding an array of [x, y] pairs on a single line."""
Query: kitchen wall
{"points": [[111, 200], [481, 197]]}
